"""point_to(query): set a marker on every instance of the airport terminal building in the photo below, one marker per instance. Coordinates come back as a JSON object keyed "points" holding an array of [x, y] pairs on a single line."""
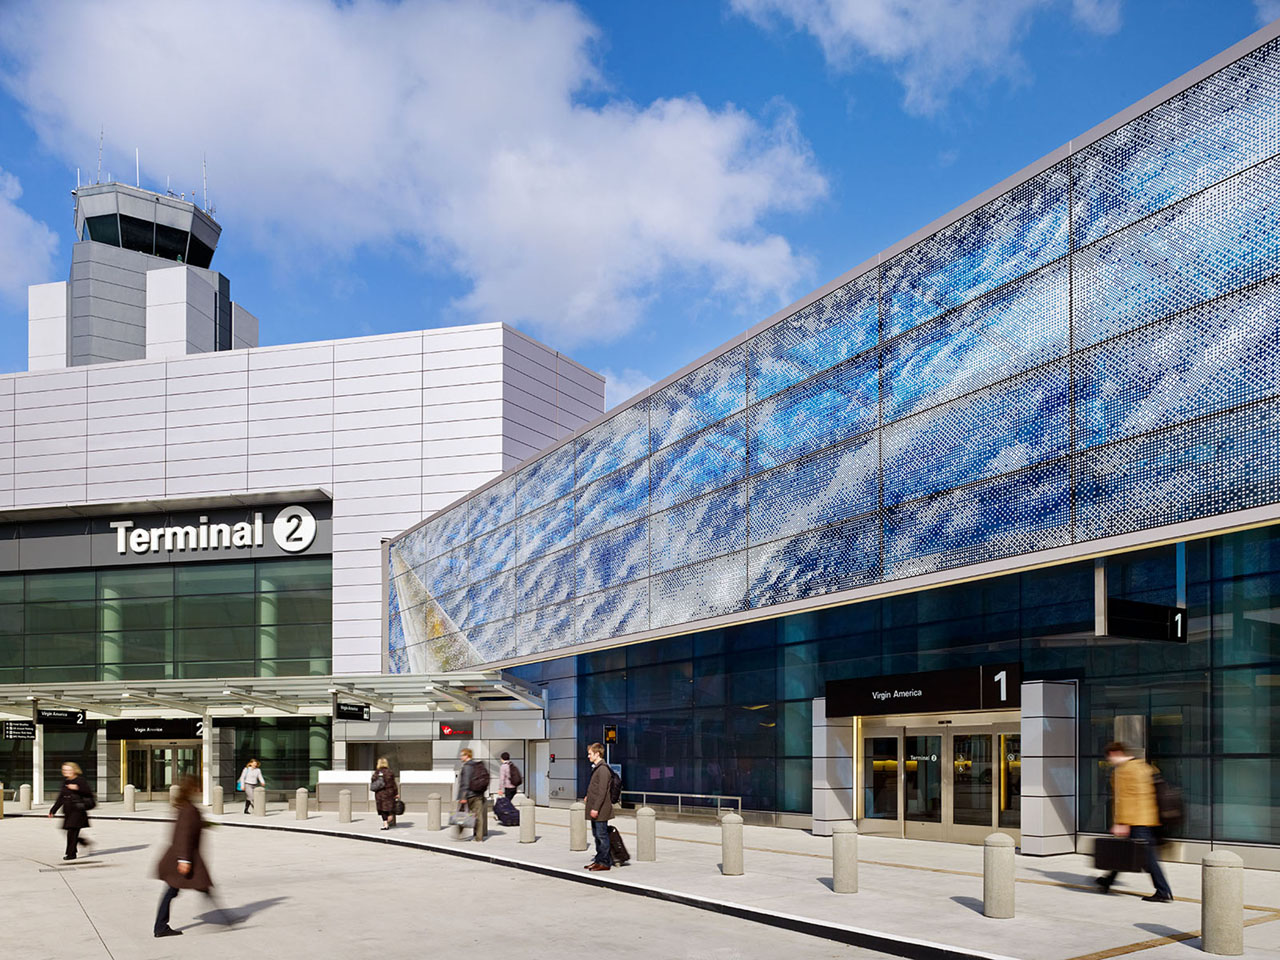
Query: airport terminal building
{"points": [[191, 524], [914, 549]]}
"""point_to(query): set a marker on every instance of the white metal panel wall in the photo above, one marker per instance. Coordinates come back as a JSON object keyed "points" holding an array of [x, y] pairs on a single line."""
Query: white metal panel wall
{"points": [[396, 426]]}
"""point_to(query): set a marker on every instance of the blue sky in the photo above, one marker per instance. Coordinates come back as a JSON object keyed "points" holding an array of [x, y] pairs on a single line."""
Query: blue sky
{"points": [[632, 183]]}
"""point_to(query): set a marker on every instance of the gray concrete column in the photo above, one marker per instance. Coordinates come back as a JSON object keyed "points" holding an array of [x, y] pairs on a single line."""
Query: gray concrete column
{"points": [[731, 845], [103, 773], [130, 798], [1222, 909], [997, 876], [528, 818], [217, 800], [577, 825], [433, 811], [1, 800], [24, 797], [844, 857], [259, 801], [207, 758], [646, 834], [344, 806], [300, 803], [37, 763]]}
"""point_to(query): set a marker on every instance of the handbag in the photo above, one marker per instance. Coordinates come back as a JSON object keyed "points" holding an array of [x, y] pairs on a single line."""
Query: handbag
{"points": [[239, 784], [460, 819], [377, 783], [398, 809]]}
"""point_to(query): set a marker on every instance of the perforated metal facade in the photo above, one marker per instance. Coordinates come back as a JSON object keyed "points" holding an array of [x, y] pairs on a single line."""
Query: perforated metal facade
{"points": [[1092, 353]]}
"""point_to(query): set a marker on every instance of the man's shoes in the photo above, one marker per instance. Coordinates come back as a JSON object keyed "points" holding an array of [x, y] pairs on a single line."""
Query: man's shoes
{"points": [[1158, 898], [168, 932], [69, 856], [588, 865], [1104, 883], [598, 866]]}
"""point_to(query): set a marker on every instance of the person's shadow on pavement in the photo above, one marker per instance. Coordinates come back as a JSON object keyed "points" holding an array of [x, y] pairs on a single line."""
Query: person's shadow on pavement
{"points": [[228, 917]]}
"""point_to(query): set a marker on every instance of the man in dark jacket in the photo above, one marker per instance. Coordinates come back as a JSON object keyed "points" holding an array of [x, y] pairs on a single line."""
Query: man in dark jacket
{"points": [[599, 807], [182, 867], [473, 783]]}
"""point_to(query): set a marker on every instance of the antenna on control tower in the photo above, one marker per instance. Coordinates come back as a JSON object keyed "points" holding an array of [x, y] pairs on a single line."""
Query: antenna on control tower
{"points": [[204, 176], [101, 130]]}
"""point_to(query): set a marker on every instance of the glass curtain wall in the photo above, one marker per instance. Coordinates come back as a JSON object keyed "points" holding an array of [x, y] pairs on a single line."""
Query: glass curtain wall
{"points": [[263, 618], [729, 711]]}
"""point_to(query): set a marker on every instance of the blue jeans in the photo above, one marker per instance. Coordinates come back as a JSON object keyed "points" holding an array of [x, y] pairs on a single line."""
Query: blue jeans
{"points": [[1148, 834], [600, 830]]}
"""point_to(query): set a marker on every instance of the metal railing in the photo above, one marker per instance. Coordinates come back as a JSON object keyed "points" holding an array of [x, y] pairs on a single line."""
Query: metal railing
{"points": [[719, 799]]}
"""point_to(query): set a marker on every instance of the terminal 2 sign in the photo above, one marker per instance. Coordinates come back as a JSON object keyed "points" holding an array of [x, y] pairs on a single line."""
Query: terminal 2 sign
{"points": [[293, 530], [989, 687]]}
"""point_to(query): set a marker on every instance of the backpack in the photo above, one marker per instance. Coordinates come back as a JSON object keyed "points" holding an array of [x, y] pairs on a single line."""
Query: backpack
{"points": [[615, 786], [513, 774], [479, 778], [1168, 802]]}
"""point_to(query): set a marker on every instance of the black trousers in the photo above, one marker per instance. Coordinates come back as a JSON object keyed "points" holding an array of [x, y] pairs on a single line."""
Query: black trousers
{"points": [[508, 792], [162, 915], [73, 839]]}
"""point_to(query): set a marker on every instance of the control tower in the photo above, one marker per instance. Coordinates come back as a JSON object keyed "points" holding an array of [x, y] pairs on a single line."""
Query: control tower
{"points": [[141, 285]]}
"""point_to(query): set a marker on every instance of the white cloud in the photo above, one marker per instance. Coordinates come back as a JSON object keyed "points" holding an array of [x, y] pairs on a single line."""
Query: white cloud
{"points": [[623, 386], [478, 132], [27, 245], [1268, 10], [935, 46]]}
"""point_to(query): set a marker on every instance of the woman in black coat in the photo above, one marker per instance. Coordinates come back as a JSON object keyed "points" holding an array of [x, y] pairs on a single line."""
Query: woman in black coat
{"points": [[182, 867], [386, 796], [75, 800]]}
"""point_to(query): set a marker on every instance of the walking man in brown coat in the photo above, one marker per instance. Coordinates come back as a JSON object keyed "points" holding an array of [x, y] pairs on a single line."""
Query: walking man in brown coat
{"points": [[599, 807], [181, 867]]}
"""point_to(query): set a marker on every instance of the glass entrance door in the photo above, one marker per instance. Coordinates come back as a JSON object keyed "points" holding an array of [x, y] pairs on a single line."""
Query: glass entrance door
{"points": [[153, 767], [953, 783]]}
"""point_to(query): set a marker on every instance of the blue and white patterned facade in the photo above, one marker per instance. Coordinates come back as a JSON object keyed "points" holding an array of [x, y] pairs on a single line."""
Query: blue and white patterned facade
{"points": [[1094, 352]]}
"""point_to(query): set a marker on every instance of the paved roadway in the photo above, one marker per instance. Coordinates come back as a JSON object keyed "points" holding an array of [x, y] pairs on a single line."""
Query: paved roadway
{"points": [[318, 897]]}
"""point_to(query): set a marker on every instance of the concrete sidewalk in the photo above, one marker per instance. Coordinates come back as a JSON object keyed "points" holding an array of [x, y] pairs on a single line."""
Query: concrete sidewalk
{"points": [[916, 898]]}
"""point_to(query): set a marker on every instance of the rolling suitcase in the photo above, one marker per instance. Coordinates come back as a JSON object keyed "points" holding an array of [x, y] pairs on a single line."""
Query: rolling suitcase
{"points": [[506, 812], [1122, 854], [617, 849]]}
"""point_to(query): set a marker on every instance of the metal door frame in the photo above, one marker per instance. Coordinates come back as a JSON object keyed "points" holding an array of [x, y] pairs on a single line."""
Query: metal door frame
{"points": [[151, 790], [946, 727]]}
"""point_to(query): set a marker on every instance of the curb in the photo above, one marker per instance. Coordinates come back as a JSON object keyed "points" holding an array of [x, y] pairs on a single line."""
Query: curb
{"points": [[908, 947]]}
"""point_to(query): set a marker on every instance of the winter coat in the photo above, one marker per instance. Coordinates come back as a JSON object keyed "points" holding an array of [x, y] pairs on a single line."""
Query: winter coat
{"points": [[1134, 788], [598, 792], [386, 797], [70, 802], [185, 846]]}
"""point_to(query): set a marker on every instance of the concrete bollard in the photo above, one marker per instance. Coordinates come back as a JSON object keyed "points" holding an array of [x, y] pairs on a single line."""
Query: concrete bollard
{"points": [[344, 806], [997, 876], [300, 803], [1222, 909], [433, 811], [218, 799], [528, 818], [844, 857], [646, 834], [130, 798], [259, 801], [24, 797], [731, 845], [173, 794], [577, 825]]}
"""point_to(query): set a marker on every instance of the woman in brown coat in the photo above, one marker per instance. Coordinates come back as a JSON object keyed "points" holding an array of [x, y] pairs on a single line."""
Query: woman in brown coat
{"points": [[182, 867], [386, 795]]}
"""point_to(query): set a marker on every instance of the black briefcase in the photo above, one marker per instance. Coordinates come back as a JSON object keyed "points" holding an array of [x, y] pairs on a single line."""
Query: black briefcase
{"points": [[1122, 854]]}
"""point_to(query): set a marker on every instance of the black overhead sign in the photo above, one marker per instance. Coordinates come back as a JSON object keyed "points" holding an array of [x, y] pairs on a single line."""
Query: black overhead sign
{"points": [[19, 730], [351, 711], [991, 687], [154, 729], [1133, 620], [60, 718]]}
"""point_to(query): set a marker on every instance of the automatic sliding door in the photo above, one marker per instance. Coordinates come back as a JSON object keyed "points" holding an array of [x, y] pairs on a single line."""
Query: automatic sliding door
{"points": [[973, 781], [1010, 781], [922, 786], [880, 776]]}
